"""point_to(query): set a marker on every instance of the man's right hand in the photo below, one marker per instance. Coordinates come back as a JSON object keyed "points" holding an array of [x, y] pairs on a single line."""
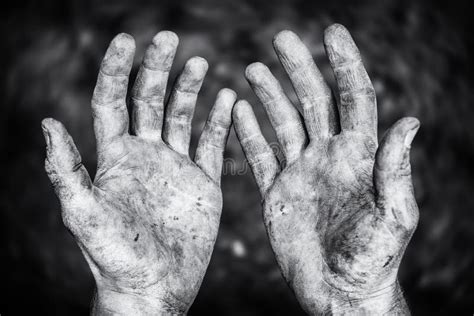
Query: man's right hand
{"points": [[342, 209]]}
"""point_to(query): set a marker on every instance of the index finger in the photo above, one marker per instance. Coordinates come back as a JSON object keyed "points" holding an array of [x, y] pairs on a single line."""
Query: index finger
{"points": [[358, 108], [108, 102]]}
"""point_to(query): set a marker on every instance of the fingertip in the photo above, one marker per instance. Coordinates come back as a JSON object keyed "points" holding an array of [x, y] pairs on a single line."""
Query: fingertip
{"points": [[284, 39], [197, 65], [340, 45], [228, 96], [228, 92], [409, 122], [160, 54], [124, 40], [335, 30], [118, 59], [123, 44], [222, 109], [241, 109], [45, 126], [47, 122], [404, 125], [192, 76], [255, 72], [292, 52], [166, 39], [410, 126], [51, 125]]}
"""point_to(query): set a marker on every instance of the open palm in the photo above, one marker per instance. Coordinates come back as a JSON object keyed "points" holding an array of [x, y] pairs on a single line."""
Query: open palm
{"points": [[148, 222], [341, 211]]}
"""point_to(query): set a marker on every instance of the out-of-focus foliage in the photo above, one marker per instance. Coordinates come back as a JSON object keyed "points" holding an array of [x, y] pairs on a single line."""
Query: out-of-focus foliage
{"points": [[416, 54]]}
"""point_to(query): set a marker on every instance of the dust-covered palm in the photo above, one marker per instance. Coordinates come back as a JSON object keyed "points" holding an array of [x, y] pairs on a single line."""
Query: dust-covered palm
{"points": [[156, 218], [341, 211], [148, 222], [343, 241]]}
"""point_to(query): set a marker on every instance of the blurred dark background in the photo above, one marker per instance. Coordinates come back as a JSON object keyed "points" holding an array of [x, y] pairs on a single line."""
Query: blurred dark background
{"points": [[417, 53]]}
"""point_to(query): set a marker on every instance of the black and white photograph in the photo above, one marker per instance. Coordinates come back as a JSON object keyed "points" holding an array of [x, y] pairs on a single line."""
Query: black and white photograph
{"points": [[253, 157]]}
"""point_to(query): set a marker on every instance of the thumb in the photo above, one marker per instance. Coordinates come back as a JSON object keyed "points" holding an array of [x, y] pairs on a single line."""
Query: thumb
{"points": [[63, 163], [392, 172]]}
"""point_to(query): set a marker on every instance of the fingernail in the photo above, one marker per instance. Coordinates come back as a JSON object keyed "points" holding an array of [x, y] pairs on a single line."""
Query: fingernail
{"points": [[411, 134], [46, 134]]}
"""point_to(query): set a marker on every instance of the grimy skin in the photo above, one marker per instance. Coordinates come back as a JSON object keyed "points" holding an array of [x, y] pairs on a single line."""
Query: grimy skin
{"points": [[341, 210], [148, 222]]}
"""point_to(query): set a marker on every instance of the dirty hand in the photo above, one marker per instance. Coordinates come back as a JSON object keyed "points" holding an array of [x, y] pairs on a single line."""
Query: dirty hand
{"points": [[340, 210], [148, 222]]}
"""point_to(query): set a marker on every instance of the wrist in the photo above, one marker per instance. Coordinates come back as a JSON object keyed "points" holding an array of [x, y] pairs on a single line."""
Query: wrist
{"points": [[387, 301], [114, 302]]}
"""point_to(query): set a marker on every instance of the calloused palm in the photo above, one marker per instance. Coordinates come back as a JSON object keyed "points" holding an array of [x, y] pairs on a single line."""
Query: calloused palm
{"points": [[342, 210], [148, 222]]}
